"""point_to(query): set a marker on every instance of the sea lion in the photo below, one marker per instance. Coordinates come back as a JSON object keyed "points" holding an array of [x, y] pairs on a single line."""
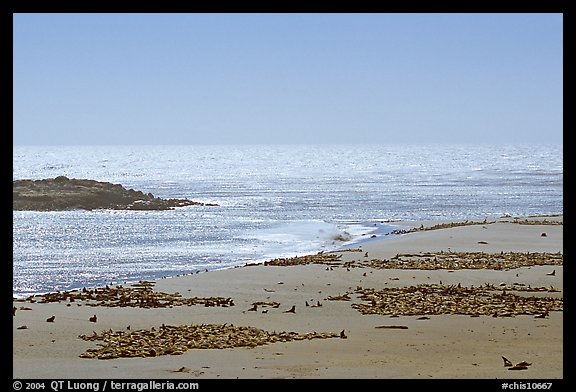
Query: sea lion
{"points": [[291, 310], [506, 361]]}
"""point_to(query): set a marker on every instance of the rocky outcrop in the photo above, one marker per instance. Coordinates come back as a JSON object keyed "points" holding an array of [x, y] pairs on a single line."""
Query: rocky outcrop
{"points": [[63, 193]]}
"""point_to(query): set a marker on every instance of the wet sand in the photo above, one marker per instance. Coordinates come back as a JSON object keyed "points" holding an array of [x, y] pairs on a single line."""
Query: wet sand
{"points": [[376, 346]]}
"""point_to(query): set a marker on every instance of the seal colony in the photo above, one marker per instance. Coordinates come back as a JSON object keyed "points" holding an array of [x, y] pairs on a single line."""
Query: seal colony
{"points": [[435, 299], [141, 295], [449, 225], [175, 340], [63, 193], [458, 314], [432, 260]]}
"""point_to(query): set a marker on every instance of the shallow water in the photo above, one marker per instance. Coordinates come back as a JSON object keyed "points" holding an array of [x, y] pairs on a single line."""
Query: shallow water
{"points": [[274, 201]]}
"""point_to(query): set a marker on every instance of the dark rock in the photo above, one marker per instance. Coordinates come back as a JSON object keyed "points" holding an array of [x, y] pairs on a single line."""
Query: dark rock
{"points": [[63, 193]]}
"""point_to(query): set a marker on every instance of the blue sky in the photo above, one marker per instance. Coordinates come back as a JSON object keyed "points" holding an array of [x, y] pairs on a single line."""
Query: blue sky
{"points": [[287, 78]]}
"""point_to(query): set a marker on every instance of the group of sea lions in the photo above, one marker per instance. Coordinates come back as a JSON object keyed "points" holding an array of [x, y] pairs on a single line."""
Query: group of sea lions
{"points": [[318, 258], [422, 300], [431, 260], [465, 260], [436, 299], [175, 340], [140, 295], [450, 225]]}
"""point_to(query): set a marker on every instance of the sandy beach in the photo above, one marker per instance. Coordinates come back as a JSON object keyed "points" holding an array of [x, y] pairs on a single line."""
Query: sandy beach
{"points": [[463, 343]]}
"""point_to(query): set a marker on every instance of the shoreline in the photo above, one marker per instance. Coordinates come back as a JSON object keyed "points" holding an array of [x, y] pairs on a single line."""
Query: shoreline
{"points": [[371, 349], [357, 239], [362, 240]]}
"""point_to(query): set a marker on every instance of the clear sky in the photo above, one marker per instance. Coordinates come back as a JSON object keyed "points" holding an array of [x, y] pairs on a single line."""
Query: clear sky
{"points": [[287, 78]]}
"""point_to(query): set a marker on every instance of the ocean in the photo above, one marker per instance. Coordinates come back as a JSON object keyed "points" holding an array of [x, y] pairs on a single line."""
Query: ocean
{"points": [[273, 201]]}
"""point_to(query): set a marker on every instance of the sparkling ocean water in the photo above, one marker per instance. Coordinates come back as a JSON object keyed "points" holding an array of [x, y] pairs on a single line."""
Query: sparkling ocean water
{"points": [[274, 201]]}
